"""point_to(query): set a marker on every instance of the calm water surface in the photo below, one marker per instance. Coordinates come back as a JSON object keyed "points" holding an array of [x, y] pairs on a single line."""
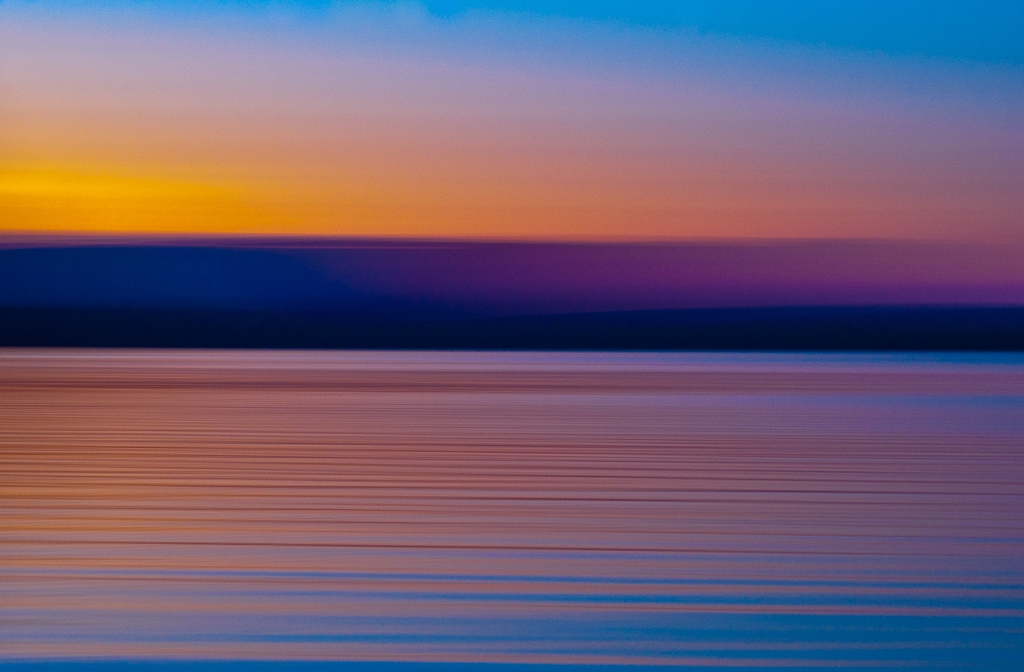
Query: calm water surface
{"points": [[707, 509]]}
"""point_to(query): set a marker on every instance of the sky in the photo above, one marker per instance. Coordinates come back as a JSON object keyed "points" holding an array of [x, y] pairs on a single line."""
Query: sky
{"points": [[515, 120]]}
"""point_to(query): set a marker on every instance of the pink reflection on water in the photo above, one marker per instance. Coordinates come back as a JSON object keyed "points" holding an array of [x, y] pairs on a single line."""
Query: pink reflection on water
{"points": [[506, 507]]}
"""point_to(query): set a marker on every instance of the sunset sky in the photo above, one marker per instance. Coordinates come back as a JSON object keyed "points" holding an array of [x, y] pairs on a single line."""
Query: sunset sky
{"points": [[515, 120]]}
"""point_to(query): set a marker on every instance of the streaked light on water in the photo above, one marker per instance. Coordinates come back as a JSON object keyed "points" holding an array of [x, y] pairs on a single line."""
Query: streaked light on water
{"points": [[573, 508]]}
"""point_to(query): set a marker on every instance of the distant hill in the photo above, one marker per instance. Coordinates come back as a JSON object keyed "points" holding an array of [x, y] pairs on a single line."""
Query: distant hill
{"points": [[337, 293]]}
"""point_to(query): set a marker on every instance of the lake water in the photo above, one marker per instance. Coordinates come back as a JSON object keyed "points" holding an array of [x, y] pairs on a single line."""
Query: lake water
{"points": [[673, 509]]}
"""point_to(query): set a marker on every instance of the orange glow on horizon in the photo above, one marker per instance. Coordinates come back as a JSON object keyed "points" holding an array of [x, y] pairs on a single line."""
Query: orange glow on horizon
{"points": [[598, 207]]}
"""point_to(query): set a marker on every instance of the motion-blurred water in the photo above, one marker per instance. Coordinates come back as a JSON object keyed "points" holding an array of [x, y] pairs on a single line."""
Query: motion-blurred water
{"points": [[506, 507]]}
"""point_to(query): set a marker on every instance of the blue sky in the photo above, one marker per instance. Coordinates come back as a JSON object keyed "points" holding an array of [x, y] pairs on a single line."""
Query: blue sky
{"points": [[984, 30]]}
